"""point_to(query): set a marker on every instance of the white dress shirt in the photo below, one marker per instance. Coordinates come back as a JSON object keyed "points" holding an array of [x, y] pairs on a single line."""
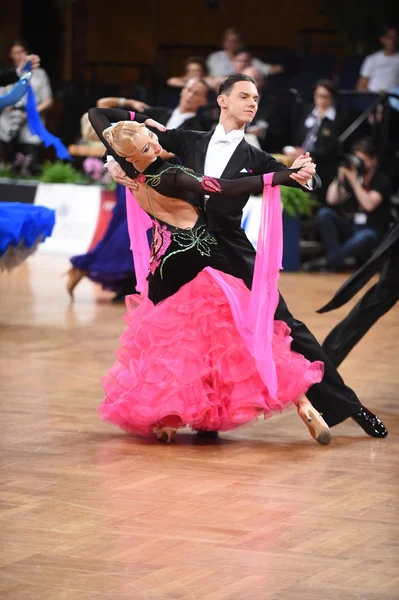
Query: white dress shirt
{"points": [[221, 148], [177, 118]]}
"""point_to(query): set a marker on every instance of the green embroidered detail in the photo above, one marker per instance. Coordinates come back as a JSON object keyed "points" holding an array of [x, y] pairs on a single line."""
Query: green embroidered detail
{"points": [[198, 238]]}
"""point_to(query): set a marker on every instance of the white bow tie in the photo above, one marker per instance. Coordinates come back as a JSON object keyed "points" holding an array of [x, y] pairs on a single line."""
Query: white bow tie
{"points": [[227, 138]]}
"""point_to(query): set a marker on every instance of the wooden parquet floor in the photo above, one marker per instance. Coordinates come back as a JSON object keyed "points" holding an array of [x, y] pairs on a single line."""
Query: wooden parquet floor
{"points": [[89, 513]]}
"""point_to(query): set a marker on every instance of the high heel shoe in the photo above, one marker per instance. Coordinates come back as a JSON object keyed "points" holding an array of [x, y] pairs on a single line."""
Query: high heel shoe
{"points": [[165, 434], [313, 420], [74, 276]]}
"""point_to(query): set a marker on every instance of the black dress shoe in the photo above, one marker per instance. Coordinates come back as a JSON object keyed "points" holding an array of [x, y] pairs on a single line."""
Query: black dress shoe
{"points": [[371, 424], [207, 435]]}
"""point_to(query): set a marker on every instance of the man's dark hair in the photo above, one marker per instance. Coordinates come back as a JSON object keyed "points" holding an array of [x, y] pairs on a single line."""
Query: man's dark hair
{"points": [[19, 42], [200, 60], [227, 85], [386, 28], [328, 85], [366, 147]]}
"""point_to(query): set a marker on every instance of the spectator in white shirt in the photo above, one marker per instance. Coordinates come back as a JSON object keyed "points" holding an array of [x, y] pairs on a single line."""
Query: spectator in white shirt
{"points": [[17, 143], [380, 71], [221, 63]]}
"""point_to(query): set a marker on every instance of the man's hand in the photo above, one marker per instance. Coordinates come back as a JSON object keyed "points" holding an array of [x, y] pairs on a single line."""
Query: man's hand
{"points": [[305, 174], [119, 175], [350, 175], [34, 59], [154, 124]]}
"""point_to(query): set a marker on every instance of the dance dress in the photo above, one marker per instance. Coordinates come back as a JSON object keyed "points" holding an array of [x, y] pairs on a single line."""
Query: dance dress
{"points": [[200, 348], [22, 228]]}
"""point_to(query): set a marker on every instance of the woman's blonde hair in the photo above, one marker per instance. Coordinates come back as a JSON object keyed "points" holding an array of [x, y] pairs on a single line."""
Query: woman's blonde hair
{"points": [[121, 137]]}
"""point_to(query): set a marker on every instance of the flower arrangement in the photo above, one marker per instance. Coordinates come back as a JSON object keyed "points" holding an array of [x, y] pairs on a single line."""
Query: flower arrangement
{"points": [[94, 169]]}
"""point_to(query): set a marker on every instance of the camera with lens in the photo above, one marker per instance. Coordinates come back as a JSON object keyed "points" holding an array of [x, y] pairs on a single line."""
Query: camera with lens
{"points": [[351, 161]]}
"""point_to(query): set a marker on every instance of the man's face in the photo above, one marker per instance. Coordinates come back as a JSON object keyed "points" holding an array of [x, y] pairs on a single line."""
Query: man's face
{"points": [[389, 40], [193, 96], [241, 61], [369, 163], [241, 103], [232, 43], [17, 53]]}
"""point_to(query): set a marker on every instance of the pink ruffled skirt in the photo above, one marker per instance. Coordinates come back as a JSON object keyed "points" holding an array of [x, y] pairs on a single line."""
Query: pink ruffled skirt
{"points": [[183, 362]]}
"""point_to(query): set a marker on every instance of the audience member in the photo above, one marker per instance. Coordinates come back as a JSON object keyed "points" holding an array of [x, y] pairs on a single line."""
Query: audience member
{"points": [[318, 133], [9, 76], [220, 63], [380, 71], [361, 205], [15, 136]]}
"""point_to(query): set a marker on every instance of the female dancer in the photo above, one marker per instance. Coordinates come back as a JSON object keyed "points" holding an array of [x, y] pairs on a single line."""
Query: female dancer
{"points": [[200, 349]]}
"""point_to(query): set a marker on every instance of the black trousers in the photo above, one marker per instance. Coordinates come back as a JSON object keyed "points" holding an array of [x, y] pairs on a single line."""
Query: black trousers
{"points": [[375, 303], [331, 397]]}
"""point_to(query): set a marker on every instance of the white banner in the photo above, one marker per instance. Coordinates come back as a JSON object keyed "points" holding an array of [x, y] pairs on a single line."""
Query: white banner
{"points": [[77, 210], [251, 218]]}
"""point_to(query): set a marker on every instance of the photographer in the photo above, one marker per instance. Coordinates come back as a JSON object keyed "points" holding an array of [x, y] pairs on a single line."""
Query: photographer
{"points": [[360, 195]]}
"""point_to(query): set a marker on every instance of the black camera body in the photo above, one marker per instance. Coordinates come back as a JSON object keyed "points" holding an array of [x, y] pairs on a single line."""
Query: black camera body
{"points": [[351, 161]]}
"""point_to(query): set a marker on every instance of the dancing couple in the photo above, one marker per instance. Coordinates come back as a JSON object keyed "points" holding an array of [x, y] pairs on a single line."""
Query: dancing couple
{"points": [[201, 349]]}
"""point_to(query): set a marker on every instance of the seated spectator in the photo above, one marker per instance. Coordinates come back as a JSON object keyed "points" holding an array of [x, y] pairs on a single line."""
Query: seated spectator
{"points": [[380, 71], [193, 96], [361, 214], [220, 63], [268, 124], [318, 133], [194, 67], [15, 136]]}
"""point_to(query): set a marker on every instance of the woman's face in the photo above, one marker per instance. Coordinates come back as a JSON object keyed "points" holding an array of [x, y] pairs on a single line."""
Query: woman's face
{"points": [[322, 98], [16, 54], [147, 147]]}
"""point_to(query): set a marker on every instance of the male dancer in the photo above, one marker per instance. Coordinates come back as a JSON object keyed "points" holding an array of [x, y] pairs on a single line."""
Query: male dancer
{"points": [[225, 153]]}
